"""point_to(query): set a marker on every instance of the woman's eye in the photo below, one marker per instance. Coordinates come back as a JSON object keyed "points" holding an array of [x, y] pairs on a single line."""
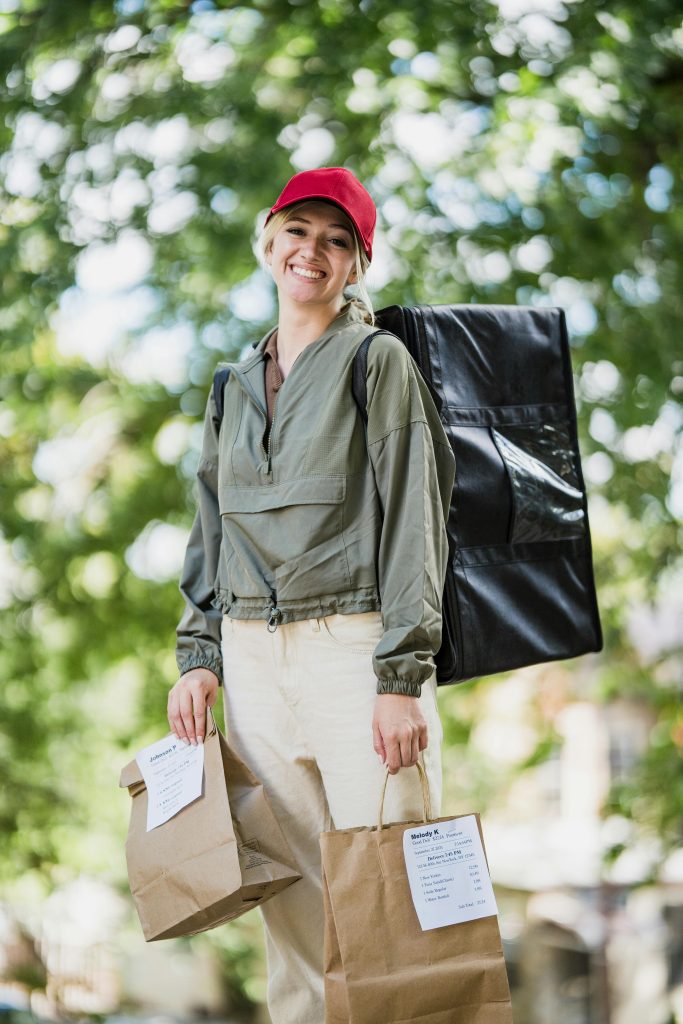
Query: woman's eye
{"points": [[342, 241]]}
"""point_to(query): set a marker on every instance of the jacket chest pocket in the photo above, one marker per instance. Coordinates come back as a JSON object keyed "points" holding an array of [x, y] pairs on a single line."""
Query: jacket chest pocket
{"points": [[241, 436], [292, 531]]}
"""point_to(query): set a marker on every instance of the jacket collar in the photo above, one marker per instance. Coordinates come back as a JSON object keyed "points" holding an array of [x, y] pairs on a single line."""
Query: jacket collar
{"points": [[249, 371], [340, 321]]}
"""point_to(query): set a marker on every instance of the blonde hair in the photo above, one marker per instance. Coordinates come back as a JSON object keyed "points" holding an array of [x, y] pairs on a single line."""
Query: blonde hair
{"points": [[360, 305]]}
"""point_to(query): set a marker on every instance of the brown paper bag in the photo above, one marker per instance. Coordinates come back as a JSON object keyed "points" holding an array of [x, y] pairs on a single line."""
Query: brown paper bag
{"points": [[216, 859], [380, 967]]}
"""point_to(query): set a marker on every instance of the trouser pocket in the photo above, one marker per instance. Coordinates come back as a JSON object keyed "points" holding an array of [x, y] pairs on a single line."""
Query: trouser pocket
{"points": [[358, 632]]}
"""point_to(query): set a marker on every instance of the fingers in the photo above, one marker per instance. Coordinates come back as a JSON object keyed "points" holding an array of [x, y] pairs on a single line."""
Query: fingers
{"points": [[405, 750], [187, 704], [200, 724], [175, 718], [398, 736], [415, 748], [393, 756], [399, 747]]}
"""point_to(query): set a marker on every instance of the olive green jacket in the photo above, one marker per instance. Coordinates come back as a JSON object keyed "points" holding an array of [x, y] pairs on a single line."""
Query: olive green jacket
{"points": [[325, 519]]}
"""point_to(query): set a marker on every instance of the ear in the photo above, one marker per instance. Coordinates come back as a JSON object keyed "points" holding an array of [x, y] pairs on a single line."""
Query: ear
{"points": [[352, 277]]}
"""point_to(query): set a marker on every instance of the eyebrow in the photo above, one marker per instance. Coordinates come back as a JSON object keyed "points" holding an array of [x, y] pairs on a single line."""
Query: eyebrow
{"points": [[304, 221]]}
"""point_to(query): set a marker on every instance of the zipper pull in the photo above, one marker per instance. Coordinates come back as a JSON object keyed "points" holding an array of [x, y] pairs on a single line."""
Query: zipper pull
{"points": [[275, 616]]}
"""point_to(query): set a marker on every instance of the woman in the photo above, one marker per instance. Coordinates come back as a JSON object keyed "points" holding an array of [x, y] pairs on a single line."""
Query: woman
{"points": [[315, 566]]}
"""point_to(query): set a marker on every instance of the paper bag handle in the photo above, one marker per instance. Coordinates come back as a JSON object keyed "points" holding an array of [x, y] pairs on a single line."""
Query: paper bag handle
{"points": [[427, 804], [210, 722]]}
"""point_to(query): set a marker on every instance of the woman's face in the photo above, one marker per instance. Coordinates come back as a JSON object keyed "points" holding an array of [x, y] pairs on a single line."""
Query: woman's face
{"points": [[313, 255]]}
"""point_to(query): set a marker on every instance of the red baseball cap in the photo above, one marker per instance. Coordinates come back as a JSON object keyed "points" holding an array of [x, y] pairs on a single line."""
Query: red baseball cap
{"points": [[340, 186]]}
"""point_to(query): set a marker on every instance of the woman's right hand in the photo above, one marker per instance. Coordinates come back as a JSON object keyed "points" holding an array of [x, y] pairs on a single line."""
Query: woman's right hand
{"points": [[187, 703]]}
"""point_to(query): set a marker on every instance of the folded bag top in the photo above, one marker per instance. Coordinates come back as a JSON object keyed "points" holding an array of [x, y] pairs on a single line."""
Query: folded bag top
{"points": [[219, 857]]}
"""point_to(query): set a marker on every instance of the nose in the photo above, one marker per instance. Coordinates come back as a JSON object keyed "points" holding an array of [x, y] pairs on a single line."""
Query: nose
{"points": [[310, 246]]}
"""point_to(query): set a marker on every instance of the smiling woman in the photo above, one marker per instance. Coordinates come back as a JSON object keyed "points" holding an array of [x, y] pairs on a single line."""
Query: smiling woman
{"points": [[314, 572], [299, 220], [312, 260]]}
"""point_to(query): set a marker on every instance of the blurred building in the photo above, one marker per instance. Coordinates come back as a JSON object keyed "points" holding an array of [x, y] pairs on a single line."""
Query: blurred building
{"points": [[81, 953], [585, 943]]}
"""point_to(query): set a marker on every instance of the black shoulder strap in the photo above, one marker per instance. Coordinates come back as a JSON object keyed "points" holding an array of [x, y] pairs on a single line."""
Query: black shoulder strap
{"points": [[220, 378], [360, 375]]}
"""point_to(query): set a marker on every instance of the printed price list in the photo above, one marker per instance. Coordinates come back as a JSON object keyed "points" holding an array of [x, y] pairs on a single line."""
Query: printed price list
{"points": [[447, 872]]}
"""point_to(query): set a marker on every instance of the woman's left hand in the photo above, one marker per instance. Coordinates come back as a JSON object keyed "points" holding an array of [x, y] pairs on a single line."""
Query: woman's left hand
{"points": [[399, 730]]}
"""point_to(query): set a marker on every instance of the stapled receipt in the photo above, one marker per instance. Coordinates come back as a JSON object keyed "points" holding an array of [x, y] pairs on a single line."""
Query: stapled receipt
{"points": [[173, 775], [447, 872]]}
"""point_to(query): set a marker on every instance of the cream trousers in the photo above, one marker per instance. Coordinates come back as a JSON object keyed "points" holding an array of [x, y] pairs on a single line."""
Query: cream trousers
{"points": [[298, 707]]}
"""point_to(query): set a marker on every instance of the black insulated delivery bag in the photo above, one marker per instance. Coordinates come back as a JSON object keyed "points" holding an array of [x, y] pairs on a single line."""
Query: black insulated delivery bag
{"points": [[519, 588]]}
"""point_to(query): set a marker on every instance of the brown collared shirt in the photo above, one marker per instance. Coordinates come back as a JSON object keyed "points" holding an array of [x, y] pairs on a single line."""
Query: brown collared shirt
{"points": [[273, 379]]}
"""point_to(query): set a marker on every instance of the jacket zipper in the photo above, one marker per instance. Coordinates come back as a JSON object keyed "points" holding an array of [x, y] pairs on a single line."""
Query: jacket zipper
{"points": [[275, 613], [270, 435], [264, 413], [275, 616]]}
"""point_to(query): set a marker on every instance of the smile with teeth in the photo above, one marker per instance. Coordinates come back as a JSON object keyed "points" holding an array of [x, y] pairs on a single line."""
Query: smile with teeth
{"points": [[312, 275]]}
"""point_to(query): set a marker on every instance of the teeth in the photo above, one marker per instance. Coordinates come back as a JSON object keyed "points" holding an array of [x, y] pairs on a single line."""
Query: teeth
{"points": [[307, 273]]}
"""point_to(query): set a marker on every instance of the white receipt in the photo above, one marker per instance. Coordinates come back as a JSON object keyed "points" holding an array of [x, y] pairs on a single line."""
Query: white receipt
{"points": [[447, 872], [173, 774]]}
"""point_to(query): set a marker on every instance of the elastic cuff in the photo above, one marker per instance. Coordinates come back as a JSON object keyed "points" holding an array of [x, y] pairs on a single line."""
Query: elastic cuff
{"points": [[408, 687], [191, 661]]}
